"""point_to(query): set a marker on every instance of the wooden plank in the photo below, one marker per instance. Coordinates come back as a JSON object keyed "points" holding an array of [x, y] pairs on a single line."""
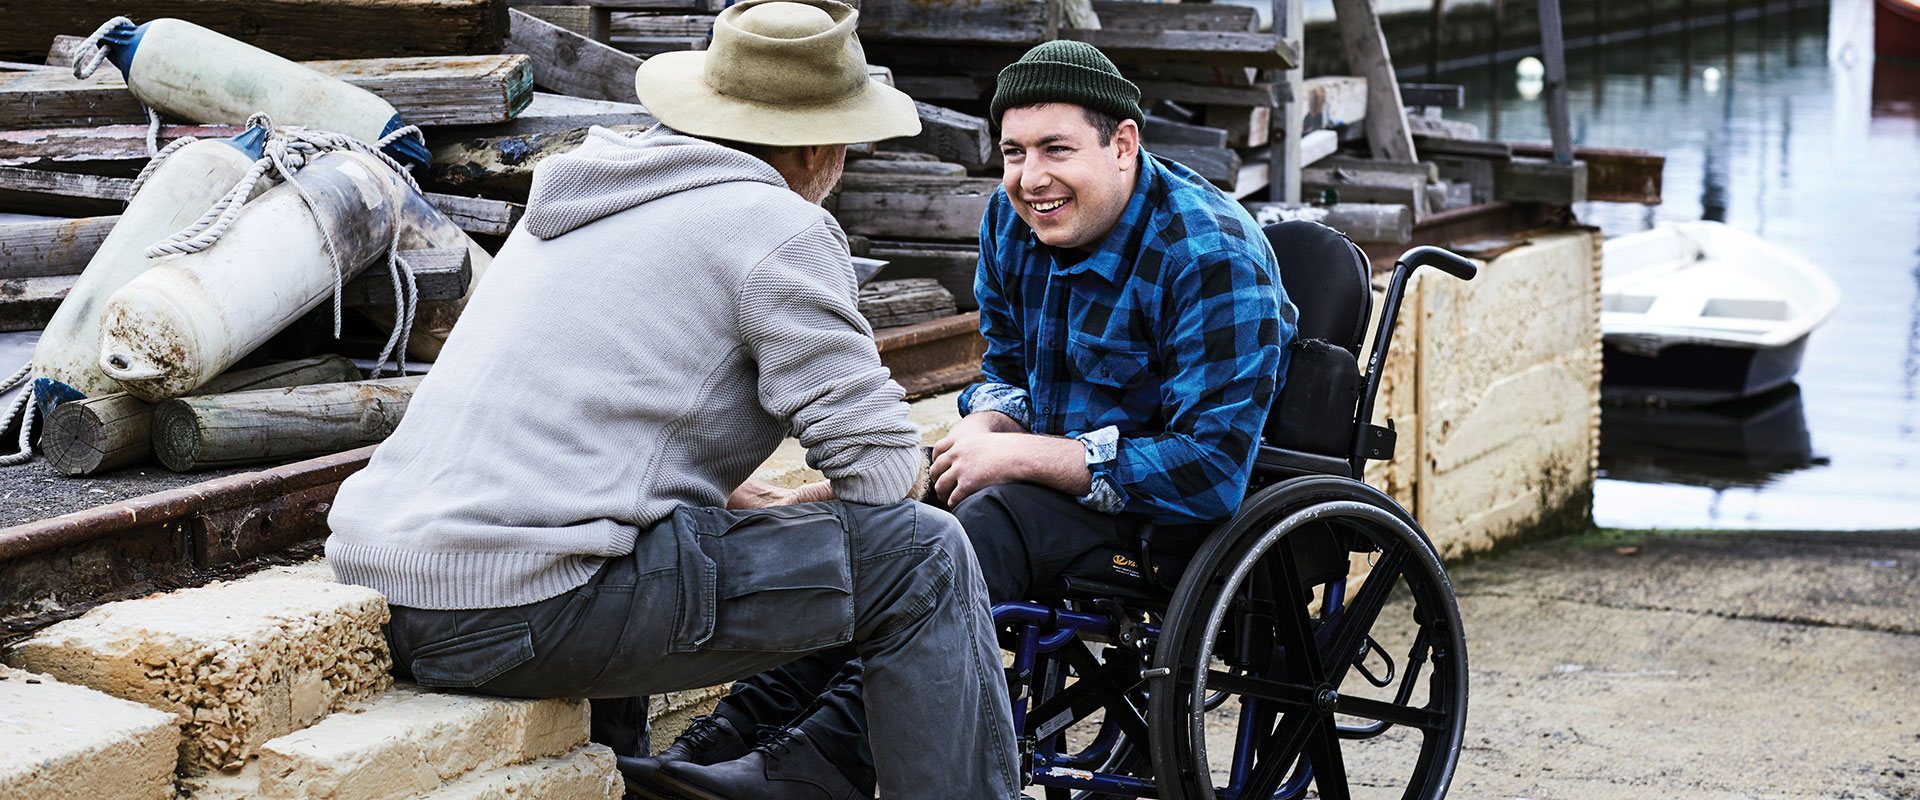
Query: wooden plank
{"points": [[1202, 74], [1362, 222], [441, 274], [877, 166], [1260, 94], [1007, 22], [648, 46], [1614, 174], [1368, 186], [477, 214], [54, 247], [914, 207], [1476, 173], [895, 302], [1131, 15], [551, 113], [105, 149], [1422, 168], [951, 136], [1287, 156], [1553, 54], [91, 436], [1433, 95], [1472, 148], [576, 18], [1420, 125], [943, 87], [1366, 48], [64, 184], [296, 29], [953, 265], [1246, 126], [1333, 101], [569, 63], [1219, 165], [1533, 180], [27, 303], [1255, 171], [501, 167], [653, 25], [1202, 47], [1318, 145], [195, 433], [658, 6], [1162, 131], [431, 91]]}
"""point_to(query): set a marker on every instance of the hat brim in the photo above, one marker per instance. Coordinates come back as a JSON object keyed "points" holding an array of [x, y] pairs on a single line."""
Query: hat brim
{"points": [[672, 87]]}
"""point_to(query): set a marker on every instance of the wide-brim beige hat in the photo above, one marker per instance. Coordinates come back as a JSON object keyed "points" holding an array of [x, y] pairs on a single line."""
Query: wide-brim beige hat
{"points": [[778, 72]]}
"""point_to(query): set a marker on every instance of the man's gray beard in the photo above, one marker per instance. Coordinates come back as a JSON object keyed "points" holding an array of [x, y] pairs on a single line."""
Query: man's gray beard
{"points": [[819, 184]]}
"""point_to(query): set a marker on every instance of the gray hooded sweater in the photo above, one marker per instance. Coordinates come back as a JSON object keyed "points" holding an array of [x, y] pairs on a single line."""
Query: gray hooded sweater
{"points": [[665, 314]]}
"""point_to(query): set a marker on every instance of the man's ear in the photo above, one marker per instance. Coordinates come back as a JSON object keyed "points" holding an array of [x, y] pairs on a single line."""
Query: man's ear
{"points": [[1126, 143], [815, 156]]}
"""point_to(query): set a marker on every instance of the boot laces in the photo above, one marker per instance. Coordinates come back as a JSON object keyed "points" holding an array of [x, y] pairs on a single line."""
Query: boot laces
{"points": [[703, 732], [776, 740]]}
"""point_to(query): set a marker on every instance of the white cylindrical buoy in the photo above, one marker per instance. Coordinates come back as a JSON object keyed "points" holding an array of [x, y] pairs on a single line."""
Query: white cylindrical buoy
{"points": [[187, 319], [183, 70], [66, 362]]}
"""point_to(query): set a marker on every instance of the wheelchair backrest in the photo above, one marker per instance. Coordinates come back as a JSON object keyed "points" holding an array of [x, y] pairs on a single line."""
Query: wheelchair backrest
{"points": [[1330, 283]]}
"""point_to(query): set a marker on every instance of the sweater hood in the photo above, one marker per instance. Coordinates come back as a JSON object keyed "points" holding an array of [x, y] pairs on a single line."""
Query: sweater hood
{"points": [[612, 172]]}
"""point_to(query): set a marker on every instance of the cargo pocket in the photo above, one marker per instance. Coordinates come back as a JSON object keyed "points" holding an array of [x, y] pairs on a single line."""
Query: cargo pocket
{"points": [[780, 580], [471, 659]]}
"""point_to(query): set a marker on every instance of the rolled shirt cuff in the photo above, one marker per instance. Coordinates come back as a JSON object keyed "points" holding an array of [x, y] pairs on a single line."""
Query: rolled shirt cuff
{"points": [[1103, 452], [1007, 399]]}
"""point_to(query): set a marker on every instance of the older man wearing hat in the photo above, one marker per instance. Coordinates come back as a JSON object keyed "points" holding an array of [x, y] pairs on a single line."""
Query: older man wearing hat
{"points": [[1136, 334], [567, 511]]}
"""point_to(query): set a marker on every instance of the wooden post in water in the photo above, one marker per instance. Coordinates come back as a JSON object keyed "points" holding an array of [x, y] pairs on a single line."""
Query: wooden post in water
{"points": [[1554, 55]]}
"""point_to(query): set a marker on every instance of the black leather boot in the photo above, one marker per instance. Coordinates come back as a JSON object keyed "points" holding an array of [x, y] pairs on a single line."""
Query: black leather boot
{"points": [[785, 766], [709, 739]]}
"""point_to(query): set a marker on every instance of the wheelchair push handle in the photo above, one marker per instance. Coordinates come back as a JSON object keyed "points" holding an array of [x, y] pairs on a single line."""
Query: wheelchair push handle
{"points": [[1441, 258]]}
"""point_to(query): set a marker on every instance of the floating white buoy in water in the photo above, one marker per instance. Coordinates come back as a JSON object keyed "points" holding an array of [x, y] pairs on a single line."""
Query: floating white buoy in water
{"points": [[179, 324], [1710, 79], [191, 179], [1529, 78], [187, 71]]}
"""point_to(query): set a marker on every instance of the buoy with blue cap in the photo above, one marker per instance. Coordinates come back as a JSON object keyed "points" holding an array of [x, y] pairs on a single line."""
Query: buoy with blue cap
{"points": [[179, 186], [189, 72], [228, 289]]}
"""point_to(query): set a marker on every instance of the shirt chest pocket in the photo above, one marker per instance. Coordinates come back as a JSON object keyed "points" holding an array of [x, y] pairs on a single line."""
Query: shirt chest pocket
{"points": [[1106, 362]]}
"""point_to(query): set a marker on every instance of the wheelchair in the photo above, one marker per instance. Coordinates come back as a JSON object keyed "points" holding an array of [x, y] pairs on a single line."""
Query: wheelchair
{"points": [[1265, 669]]}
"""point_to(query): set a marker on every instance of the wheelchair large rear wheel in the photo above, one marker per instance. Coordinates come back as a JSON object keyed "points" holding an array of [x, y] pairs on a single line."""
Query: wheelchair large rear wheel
{"points": [[1323, 617]]}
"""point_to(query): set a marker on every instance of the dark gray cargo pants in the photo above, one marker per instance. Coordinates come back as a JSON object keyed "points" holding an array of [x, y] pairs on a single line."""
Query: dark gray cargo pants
{"points": [[710, 596]]}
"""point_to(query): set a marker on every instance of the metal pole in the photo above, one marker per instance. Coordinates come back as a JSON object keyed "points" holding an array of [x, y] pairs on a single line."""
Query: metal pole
{"points": [[1553, 51]]}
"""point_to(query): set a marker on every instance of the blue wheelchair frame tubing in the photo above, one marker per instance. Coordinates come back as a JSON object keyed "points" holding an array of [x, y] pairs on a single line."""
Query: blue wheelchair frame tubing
{"points": [[1044, 629]]}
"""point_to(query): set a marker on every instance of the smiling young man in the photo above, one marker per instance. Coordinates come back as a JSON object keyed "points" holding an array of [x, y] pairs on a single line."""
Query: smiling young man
{"points": [[1136, 331]]}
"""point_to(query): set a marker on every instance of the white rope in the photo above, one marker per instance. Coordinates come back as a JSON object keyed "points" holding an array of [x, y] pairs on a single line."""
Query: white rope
{"points": [[85, 63], [23, 412], [153, 131]]}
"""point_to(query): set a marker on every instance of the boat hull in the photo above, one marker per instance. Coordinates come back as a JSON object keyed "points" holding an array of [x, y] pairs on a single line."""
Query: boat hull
{"points": [[1698, 374], [1896, 28]]}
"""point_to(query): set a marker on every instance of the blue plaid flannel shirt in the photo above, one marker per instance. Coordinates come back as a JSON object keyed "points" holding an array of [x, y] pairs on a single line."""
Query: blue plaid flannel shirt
{"points": [[1161, 351]]}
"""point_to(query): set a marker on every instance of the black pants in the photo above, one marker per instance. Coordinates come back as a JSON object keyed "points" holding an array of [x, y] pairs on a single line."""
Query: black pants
{"points": [[1024, 536]]}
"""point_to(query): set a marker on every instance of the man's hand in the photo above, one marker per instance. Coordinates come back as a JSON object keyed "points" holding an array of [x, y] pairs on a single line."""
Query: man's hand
{"points": [[756, 493], [964, 464]]}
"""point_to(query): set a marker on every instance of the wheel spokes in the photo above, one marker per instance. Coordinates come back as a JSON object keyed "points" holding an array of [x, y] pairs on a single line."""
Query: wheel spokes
{"points": [[1329, 770], [1272, 768], [1350, 629]]}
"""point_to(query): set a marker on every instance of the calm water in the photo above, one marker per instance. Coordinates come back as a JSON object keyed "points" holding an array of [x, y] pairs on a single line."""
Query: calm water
{"points": [[1763, 130]]}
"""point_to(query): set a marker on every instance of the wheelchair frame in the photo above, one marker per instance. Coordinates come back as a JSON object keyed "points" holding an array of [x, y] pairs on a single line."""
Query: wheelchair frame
{"points": [[1049, 640]]}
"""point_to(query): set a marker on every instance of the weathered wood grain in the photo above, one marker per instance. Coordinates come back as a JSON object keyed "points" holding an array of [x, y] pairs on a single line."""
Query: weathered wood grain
{"points": [[296, 29], [91, 436], [1013, 22], [569, 63], [892, 303], [204, 432], [27, 303], [1130, 15], [951, 136], [1362, 222], [1367, 56], [1160, 131], [914, 207], [441, 274], [54, 247], [108, 149], [1233, 48], [425, 91]]}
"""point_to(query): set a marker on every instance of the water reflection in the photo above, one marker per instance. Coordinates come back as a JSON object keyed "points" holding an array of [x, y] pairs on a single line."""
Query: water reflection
{"points": [[1810, 141], [1746, 443]]}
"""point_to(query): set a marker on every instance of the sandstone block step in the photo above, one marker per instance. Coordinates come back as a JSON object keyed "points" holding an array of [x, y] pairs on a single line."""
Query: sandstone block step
{"points": [[588, 773], [240, 662], [64, 742], [404, 743]]}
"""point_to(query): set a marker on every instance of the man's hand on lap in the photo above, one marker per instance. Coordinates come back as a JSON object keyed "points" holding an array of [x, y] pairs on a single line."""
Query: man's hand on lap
{"points": [[966, 463]]}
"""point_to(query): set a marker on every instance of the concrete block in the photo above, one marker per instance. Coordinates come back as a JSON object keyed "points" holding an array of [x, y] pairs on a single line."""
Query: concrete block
{"points": [[410, 741], [240, 662], [584, 774], [64, 742], [670, 714]]}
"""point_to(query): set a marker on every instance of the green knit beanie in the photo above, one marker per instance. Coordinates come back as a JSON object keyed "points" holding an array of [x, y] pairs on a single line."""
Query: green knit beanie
{"points": [[1067, 72]]}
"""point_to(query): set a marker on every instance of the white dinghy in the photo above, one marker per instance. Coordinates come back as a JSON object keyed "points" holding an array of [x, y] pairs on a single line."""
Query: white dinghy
{"points": [[1700, 312]]}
